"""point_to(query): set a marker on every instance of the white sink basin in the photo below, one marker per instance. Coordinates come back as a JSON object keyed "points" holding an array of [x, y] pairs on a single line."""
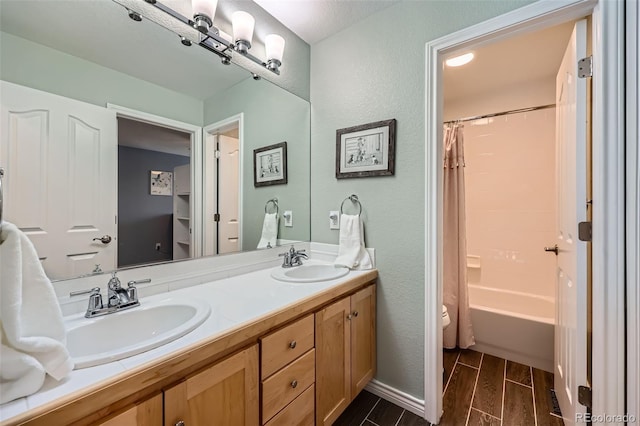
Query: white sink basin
{"points": [[120, 335], [309, 273]]}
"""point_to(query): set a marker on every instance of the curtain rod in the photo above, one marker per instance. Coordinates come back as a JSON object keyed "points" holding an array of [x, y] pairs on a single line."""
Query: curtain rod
{"points": [[497, 114]]}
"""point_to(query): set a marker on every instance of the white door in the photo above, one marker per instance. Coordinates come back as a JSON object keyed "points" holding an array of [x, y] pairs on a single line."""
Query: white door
{"points": [[228, 194], [210, 193], [60, 158], [570, 358]]}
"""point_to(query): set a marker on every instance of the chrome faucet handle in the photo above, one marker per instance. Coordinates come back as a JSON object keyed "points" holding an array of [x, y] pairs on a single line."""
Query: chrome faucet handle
{"points": [[286, 262], [79, 292], [114, 282]]}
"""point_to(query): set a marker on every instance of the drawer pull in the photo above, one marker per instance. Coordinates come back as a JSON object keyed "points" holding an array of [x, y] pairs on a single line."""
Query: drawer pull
{"points": [[294, 384], [355, 313], [293, 344], [180, 423]]}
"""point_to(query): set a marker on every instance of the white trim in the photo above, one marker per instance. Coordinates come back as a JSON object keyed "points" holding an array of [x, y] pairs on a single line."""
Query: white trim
{"points": [[608, 93], [237, 119], [608, 258], [399, 398], [633, 208], [196, 167]]}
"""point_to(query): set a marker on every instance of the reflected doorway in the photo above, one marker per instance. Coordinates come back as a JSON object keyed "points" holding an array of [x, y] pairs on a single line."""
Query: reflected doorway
{"points": [[223, 176], [154, 193]]}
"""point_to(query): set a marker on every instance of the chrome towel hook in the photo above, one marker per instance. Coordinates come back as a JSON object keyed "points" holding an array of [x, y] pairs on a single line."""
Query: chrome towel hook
{"points": [[354, 199]]}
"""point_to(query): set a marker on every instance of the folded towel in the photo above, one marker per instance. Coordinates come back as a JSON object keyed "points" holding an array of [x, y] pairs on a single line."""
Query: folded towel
{"points": [[31, 320], [269, 231], [351, 251]]}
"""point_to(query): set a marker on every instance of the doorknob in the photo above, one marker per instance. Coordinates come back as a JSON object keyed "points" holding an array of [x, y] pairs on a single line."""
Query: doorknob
{"points": [[553, 249], [105, 239]]}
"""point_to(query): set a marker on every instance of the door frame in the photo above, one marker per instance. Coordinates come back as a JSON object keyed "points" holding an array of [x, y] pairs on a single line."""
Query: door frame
{"points": [[229, 122], [608, 362], [633, 207], [195, 164]]}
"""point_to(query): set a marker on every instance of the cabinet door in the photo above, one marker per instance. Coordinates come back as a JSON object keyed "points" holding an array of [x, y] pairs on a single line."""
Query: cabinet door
{"points": [[146, 413], [363, 338], [333, 361], [223, 394]]}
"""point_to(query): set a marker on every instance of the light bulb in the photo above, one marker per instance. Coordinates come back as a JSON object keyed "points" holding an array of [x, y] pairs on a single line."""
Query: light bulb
{"points": [[274, 45], [460, 60], [243, 24]]}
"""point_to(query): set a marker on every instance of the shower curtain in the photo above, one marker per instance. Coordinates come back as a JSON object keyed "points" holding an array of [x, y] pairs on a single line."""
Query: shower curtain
{"points": [[455, 291]]}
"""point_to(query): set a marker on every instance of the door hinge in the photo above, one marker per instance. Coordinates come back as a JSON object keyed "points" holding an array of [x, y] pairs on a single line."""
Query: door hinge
{"points": [[584, 396], [216, 217], [584, 231], [216, 154], [585, 67]]}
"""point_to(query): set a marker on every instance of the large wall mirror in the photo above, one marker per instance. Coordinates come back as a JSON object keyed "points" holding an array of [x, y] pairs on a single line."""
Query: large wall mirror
{"points": [[123, 147]]}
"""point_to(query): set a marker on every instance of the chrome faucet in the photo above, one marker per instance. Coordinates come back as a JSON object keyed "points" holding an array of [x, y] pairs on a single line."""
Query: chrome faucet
{"points": [[293, 257], [118, 298]]}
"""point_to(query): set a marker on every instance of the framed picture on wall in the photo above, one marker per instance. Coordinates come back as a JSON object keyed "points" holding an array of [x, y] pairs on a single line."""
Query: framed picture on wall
{"points": [[270, 165], [161, 183], [366, 150]]}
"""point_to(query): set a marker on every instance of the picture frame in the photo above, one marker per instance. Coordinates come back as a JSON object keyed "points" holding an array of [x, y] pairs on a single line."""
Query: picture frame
{"points": [[366, 150], [270, 165], [160, 182]]}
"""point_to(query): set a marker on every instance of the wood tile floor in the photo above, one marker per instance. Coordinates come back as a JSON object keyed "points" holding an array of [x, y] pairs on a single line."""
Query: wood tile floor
{"points": [[479, 389]]}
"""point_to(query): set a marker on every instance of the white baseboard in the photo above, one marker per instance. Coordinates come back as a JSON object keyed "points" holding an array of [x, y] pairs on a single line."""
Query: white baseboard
{"points": [[401, 399]]}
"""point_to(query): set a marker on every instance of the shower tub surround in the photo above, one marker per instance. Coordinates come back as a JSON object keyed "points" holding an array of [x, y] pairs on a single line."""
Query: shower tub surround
{"points": [[242, 296]]}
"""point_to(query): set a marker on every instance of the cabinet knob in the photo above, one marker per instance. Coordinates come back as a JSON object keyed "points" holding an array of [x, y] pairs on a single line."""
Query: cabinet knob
{"points": [[349, 316], [294, 384], [293, 344], [180, 423], [355, 313]]}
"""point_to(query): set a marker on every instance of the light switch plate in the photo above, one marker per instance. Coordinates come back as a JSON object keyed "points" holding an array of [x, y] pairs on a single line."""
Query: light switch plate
{"points": [[334, 219], [288, 218]]}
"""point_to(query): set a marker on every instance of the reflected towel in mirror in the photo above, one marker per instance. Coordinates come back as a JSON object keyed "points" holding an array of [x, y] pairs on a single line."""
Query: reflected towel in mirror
{"points": [[351, 250], [269, 231], [33, 334]]}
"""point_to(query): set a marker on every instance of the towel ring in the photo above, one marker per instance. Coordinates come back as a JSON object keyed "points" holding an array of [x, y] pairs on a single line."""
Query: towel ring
{"points": [[273, 201], [354, 199]]}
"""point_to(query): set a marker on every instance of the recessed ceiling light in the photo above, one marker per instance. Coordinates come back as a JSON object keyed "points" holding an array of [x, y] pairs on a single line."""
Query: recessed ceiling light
{"points": [[458, 61]]}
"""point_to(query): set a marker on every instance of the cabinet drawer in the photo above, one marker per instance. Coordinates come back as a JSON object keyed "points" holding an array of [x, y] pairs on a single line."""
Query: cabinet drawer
{"points": [[299, 413], [283, 346], [284, 386]]}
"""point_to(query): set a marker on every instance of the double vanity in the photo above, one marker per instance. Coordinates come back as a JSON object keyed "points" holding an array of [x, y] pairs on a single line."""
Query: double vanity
{"points": [[271, 346]]}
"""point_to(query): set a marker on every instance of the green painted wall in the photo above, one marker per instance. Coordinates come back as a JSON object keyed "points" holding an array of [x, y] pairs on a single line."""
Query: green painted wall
{"points": [[371, 71], [271, 115], [34, 65]]}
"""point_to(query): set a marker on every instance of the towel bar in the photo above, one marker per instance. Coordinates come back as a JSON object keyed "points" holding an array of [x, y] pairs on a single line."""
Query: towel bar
{"points": [[273, 201], [354, 199]]}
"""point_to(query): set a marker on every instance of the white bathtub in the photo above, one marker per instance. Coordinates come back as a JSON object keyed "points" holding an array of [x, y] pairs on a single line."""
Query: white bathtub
{"points": [[512, 325]]}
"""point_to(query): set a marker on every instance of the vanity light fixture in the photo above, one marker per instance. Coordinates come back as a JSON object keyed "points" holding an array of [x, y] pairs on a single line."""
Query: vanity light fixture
{"points": [[458, 61], [210, 37], [203, 13]]}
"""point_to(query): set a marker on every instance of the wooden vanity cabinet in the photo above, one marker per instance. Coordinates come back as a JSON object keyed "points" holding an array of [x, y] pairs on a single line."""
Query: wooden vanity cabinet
{"points": [[288, 374], [345, 352], [224, 394], [145, 413]]}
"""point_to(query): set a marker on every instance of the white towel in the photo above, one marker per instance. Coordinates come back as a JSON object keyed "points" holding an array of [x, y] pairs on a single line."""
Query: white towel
{"points": [[33, 341], [269, 231], [351, 251]]}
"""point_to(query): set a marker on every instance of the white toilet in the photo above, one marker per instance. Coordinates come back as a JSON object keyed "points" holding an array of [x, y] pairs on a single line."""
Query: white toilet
{"points": [[445, 317]]}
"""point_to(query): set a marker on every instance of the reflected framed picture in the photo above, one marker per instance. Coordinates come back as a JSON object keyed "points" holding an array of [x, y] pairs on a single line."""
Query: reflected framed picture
{"points": [[366, 150], [270, 165], [161, 183]]}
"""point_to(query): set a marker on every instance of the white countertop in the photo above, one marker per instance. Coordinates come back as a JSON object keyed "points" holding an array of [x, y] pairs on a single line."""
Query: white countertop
{"points": [[234, 301]]}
